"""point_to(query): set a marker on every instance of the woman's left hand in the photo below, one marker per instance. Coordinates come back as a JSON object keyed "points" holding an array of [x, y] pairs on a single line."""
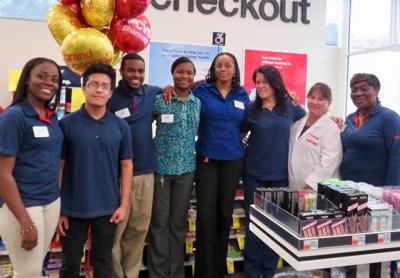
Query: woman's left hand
{"points": [[295, 98], [338, 120], [29, 238], [168, 92]]}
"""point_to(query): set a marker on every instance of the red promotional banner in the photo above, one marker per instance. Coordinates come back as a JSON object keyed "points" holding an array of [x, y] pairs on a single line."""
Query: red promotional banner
{"points": [[293, 67]]}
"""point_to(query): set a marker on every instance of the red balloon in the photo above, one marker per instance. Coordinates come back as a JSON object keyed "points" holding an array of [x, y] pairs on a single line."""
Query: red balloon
{"points": [[84, 24], [130, 8], [69, 2], [75, 8], [131, 35]]}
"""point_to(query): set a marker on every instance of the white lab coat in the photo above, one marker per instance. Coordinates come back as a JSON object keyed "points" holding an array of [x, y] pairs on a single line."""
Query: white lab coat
{"points": [[316, 154]]}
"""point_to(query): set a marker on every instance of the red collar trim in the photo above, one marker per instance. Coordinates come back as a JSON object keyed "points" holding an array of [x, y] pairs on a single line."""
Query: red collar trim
{"points": [[357, 121], [47, 118]]}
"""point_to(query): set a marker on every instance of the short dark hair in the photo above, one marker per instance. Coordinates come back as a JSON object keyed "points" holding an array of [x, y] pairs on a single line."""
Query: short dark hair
{"points": [[99, 68], [21, 91], [181, 60], [212, 78], [371, 79], [130, 56], [324, 90], [273, 76]]}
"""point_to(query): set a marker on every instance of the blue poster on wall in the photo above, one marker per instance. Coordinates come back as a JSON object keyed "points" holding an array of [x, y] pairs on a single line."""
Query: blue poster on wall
{"points": [[26, 9], [162, 55]]}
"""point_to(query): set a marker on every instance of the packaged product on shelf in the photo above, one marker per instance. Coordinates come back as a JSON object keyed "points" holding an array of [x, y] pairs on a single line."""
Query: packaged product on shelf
{"points": [[338, 224], [338, 227], [392, 196], [322, 223], [6, 269], [324, 228], [380, 217], [307, 201], [350, 203], [362, 215], [309, 223]]}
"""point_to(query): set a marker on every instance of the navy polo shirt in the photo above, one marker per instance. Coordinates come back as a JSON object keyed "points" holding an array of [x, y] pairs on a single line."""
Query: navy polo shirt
{"points": [[136, 108], [36, 145], [220, 119], [92, 151], [268, 149], [371, 153]]}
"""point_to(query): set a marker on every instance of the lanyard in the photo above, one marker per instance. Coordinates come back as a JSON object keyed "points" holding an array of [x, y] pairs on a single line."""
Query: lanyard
{"points": [[134, 103]]}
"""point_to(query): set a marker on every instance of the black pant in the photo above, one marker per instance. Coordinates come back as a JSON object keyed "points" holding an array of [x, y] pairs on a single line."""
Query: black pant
{"points": [[216, 182], [102, 241]]}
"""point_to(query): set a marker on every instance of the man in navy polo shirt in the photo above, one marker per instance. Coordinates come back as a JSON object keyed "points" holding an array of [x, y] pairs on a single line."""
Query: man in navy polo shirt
{"points": [[134, 102], [97, 151]]}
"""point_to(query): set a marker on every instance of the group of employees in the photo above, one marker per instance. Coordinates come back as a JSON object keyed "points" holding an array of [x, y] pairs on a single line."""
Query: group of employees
{"points": [[100, 169]]}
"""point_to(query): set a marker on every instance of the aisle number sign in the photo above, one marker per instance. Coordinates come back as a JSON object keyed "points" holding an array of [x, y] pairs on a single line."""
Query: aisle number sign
{"points": [[236, 222], [189, 246], [192, 224], [230, 265], [241, 242]]}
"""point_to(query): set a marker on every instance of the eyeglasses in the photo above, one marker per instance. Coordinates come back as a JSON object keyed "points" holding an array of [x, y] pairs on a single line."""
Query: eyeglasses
{"points": [[96, 85], [227, 66]]}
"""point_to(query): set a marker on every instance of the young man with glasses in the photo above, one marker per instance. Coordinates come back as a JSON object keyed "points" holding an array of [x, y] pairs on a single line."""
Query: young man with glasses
{"points": [[133, 102], [96, 175]]}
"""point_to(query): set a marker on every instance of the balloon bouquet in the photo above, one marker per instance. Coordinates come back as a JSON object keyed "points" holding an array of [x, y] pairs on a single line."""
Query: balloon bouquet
{"points": [[98, 31]]}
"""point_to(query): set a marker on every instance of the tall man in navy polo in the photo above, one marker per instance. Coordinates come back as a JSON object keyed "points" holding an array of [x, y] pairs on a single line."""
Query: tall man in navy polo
{"points": [[97, 156], [134, 101]]}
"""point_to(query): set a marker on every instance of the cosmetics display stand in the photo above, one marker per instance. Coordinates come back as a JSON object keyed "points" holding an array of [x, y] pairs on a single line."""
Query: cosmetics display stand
{"points": [[284, 233]]}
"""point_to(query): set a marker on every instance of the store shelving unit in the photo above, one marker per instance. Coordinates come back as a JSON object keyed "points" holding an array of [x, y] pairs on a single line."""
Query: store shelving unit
{"points": [[236, 241], [236, 238], [324, 252]]}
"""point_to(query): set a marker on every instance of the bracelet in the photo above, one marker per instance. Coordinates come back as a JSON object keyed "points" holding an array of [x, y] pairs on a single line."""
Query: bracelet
{"points": [[27, 230]]}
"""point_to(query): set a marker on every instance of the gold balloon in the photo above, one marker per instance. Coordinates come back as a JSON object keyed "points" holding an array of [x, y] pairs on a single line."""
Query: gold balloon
{"points": [[61, 22], [98, 13], [117, 57], [86, 47]]}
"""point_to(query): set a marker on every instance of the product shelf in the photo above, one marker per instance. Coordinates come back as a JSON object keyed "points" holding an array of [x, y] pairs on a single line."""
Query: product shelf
{"points": [[280, 230]]}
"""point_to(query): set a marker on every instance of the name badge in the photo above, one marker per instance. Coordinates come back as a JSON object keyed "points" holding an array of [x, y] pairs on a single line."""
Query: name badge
{"points": [[167, 118], [123, 113], [238, 104], [40, 131]]}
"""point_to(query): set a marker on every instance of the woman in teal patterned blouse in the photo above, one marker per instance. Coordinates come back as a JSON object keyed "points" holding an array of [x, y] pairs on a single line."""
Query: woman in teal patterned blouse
{"points": [[177, 125]]}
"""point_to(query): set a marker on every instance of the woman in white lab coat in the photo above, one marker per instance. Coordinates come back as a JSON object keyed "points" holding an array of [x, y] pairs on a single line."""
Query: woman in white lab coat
{"points": [[315, 149]]}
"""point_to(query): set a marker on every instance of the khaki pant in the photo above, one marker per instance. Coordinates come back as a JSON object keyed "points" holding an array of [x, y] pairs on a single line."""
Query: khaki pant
{"points": [[131, 234]]}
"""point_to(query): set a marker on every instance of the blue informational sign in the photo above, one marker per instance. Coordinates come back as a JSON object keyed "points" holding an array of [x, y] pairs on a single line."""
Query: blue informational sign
{"points": [[26, 9], [162, 55]]}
